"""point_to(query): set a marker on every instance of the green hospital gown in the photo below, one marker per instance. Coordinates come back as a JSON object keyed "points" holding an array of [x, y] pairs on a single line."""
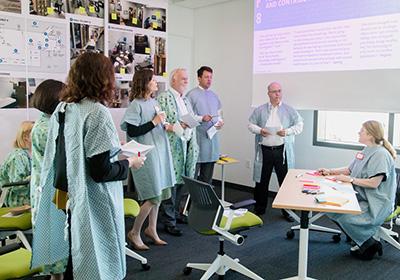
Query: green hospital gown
{"points": [[39, 139], [16, 168], [97, 214]]}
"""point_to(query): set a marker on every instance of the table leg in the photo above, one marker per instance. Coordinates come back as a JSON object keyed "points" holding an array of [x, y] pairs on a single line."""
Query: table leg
{"points": [[222, 183], [303, 245], [303, 248]]}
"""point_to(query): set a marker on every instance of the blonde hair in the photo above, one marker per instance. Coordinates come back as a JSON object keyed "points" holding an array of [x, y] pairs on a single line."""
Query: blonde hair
{"points": [[23, 135], [375, 129]]}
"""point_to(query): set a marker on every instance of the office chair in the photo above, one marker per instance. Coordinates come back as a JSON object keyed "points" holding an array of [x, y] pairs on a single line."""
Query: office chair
{"points": [[18, 225], [206, 216], [388, 234], [131, 209], [15, 262]]}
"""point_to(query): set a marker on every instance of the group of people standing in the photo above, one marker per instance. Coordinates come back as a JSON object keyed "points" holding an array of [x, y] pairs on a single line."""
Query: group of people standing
{"points": [[76, 178]]}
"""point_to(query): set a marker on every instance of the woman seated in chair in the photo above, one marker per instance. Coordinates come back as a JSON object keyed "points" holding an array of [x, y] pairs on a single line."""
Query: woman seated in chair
{"points": [[373, 175], [17, 167]]}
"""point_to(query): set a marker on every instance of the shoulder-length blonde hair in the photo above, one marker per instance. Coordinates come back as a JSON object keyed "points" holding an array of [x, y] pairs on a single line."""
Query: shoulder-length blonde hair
{"points": [[22, 140], [375, 129]]}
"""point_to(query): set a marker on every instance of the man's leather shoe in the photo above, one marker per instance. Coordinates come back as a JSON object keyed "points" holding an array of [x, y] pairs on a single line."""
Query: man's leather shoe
{"points": [[182, 220], [173, 230]]}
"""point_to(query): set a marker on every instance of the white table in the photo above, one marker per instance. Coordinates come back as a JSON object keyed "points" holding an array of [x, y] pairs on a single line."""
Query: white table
{"points": [[290, 196]]}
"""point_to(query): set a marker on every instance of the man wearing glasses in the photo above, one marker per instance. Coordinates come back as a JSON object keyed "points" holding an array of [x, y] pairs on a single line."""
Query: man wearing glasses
{"points": [[274, 124]]}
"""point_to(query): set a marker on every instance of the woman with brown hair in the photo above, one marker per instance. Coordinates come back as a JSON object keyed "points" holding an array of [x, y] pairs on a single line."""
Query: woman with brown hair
{"points": [[143, 122], [80, 158], [373, 175]]}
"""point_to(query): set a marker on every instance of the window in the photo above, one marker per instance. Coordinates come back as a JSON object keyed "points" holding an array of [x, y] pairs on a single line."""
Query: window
{"points": [[340, 129]]}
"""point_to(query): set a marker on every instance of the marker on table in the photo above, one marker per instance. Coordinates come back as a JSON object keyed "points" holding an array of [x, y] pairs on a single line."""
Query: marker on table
{"points": [[138, 154], [299, 175]]}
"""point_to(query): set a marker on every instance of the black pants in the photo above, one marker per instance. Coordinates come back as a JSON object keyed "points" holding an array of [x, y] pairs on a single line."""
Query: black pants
{"points": [[272, 159], [171, 208], [205, 171]]}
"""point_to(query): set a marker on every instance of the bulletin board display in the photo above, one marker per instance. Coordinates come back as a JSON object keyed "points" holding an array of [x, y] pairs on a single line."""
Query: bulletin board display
{"points": [[41, 39]]}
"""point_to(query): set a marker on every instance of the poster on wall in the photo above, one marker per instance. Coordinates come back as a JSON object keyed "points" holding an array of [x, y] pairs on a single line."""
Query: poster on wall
{"points": [[11, 6], [85, 37], [44, 52], [48, 8], [91, 8]]}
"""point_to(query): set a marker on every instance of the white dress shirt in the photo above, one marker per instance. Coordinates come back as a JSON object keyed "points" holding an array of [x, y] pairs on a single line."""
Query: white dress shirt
{"points": [[273, 124]]}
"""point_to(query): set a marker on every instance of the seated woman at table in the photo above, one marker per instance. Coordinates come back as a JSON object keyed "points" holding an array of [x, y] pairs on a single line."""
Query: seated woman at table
{"points": [[17, 167], [373, 175]]}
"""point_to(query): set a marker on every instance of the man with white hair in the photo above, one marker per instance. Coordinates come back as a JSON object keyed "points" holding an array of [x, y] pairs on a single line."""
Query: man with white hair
{"points": [[183, 143]]}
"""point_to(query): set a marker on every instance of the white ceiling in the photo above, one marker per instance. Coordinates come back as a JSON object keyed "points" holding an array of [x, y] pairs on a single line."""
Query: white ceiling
{"points": [[193, 4]]}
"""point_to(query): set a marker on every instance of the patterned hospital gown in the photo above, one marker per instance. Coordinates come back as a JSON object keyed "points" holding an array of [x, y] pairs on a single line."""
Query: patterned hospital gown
{"points": [[16, 168], [39, 138], [97, 214]]}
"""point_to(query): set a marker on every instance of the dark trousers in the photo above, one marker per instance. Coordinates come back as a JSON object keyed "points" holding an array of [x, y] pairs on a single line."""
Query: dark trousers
{"points": [[204, 171], [172, 208], [272, 159]]}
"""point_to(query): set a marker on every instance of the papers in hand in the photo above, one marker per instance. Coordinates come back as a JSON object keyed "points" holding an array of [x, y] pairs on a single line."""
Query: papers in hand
{"points": [[211, 132], [134, 148], [272, 129], [189, 120]]}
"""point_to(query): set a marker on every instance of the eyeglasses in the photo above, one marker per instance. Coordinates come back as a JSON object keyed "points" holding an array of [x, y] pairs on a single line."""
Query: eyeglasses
{"points": [[275, 91]]}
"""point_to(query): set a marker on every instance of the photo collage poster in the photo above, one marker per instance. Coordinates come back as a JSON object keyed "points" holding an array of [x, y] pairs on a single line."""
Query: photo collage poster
{"points": [[41, 39]]}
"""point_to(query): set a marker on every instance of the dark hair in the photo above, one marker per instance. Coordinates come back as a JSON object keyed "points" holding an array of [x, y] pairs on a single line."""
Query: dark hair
{"points": [[140, 82], [202, 69], [47, 96], [91, 76]]}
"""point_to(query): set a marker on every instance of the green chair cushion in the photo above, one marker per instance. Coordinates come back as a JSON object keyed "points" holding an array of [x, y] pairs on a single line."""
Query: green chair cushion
{"points": [[394, 214], [16, 264], [246, 221], [20, 222], [131, 207]]}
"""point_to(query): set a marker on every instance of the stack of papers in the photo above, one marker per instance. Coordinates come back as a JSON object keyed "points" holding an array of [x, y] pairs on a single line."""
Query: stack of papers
{"points": [[331, 200], [134, 148], [190, 120]]}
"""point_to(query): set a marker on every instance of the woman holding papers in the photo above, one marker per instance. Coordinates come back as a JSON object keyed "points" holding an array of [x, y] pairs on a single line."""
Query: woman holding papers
{"points": [[373, 175], [143, 122], [80, 160]]}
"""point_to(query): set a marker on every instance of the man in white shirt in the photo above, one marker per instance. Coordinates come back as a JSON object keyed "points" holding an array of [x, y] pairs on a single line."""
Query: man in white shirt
{"points": [[183, 144], [274, 124]]}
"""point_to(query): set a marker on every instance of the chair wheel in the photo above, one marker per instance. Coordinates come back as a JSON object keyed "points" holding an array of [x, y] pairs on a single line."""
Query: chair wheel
{"points": [[145, 266], [187, 270], [290, 234], [336, 238]]}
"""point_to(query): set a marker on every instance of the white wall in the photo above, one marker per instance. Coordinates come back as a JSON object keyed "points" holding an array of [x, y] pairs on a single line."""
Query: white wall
{"points": [[223, 40]]}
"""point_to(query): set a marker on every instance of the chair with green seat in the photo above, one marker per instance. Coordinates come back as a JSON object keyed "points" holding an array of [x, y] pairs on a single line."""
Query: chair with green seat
{"points": [[15, 262], [388, 234], [206, 216], [131, 209], [10, 225]]}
